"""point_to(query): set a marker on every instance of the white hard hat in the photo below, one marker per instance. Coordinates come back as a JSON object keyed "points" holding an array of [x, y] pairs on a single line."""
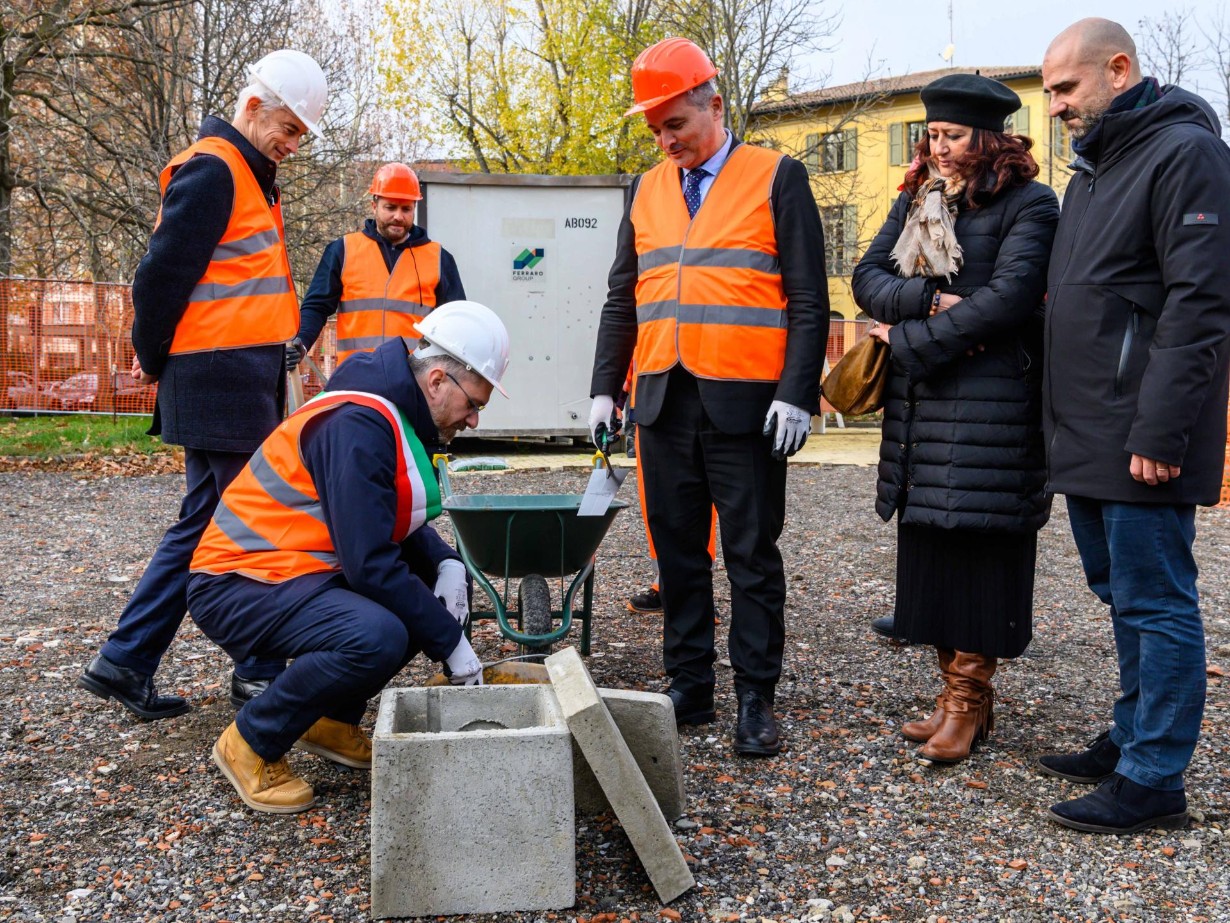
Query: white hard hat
{"points": [[472, 334], [297, 80]]}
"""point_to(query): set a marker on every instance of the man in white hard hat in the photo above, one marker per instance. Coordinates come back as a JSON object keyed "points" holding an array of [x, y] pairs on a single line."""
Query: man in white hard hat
{"points": [[214, 307], [382, 280], [320, 551]]}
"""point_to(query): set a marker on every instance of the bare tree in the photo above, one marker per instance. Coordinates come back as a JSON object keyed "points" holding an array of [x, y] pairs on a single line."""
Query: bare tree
{"points": [[104, 109], [1168, 50], [751, 42], [33, 35], [1216, 34]]}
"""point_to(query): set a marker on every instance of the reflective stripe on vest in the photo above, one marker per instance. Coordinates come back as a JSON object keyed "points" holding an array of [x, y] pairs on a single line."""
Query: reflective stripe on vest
{"points": [[269, 524], [245, 296], [377, 305], [709, 290]]}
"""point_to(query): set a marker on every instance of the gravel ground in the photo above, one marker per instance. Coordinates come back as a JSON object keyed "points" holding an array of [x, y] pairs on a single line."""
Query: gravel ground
{"points": [[107, 818]]}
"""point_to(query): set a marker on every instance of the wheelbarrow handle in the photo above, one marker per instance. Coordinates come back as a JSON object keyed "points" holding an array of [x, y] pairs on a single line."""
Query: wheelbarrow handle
{"points": [[441, 462]]}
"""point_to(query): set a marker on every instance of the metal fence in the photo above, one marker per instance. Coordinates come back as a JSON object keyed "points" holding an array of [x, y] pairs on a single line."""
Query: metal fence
{"points": [[66, 347]]}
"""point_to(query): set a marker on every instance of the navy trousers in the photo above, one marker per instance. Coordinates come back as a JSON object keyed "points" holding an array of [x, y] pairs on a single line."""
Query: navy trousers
{"points": [[148, 623], [345, 648]]}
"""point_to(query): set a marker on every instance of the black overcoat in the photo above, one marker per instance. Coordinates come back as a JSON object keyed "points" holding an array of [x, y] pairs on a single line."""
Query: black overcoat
{"points": [[1138, 319], [962, 439]]}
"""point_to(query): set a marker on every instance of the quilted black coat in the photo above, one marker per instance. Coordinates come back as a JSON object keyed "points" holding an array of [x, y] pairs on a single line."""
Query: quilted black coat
{"points": [[962, 440]]}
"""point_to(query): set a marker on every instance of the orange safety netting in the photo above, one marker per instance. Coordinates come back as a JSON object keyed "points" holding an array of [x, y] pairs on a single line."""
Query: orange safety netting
{"points": [[1225, 477], [66, 347]]}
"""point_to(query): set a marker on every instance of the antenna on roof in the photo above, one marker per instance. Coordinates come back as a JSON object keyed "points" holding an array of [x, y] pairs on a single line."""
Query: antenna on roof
{"points": [[950, 52]]}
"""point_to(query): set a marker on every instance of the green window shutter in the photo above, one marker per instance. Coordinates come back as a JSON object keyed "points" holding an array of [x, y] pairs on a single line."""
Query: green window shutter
{"points": [[811, 156], [1020, 121], [851, 238], [851, 158], [896, 143]]}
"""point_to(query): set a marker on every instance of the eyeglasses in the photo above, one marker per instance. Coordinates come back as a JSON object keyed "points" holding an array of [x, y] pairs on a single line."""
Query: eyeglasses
{"points": [[475, 406]]}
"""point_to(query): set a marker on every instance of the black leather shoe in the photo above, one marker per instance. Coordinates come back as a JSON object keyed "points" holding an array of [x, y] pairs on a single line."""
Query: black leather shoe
{"points": [[886, 626], [244, 690], [1093, 764], [135, 691], [1120, 805], [756, 734], [696, 708]]}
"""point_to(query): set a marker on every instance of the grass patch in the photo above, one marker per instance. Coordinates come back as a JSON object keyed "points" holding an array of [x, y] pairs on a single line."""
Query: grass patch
{"points": [[51, 436]]}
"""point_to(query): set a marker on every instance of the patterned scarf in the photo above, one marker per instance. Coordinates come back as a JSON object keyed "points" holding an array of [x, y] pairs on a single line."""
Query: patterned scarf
{"points": [[928, 244]]}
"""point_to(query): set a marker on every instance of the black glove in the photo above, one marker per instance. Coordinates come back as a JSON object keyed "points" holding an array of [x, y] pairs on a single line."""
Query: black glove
{"points": [[295, 351]]}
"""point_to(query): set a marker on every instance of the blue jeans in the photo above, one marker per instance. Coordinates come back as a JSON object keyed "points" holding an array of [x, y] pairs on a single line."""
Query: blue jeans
{"points": [[1138, 560], [157, 607]]}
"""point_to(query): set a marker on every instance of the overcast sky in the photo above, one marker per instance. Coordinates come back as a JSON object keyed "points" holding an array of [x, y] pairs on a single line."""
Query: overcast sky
{"points": [[901, 36]]}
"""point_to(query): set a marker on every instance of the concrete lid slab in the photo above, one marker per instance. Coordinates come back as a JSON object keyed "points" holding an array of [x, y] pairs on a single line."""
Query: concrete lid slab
{"points": [[616, 770]]}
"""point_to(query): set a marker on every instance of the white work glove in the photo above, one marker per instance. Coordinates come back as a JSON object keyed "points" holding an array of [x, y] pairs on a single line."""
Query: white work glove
{"points": [[791, 425], [465, 669], [600, 413], [452, 589]]}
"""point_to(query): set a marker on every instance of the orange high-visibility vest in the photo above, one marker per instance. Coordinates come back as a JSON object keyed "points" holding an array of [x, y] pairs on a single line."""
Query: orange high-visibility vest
{"points": [[377, 305], [269, 524], [709, 289], [246, 296]]}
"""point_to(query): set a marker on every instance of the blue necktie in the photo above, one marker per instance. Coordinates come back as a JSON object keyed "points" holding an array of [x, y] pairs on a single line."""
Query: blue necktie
{"points": [[691, 189]]}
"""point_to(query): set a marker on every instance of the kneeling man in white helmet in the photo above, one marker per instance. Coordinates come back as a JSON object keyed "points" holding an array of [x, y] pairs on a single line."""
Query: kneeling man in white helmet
{"points": [[320, 551]]}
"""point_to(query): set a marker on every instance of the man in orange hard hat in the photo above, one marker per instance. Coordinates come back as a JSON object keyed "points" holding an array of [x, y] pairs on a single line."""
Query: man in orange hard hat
{"points": [[381, 280], [718, 291]]}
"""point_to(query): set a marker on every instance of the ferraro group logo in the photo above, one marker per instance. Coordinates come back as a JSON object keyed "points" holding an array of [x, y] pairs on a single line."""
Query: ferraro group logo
{"points": [[526, 262]]}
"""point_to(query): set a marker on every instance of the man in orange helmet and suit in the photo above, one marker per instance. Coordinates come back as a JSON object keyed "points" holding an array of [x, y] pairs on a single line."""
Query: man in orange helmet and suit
{"points": [[718, 292]]}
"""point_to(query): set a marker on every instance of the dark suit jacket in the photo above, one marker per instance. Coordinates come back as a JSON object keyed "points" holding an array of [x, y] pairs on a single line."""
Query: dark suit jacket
{"points": [[735, 407]]}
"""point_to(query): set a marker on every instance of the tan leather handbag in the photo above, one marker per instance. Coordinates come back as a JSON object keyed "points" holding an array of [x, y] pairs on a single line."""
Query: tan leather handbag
{"points": [[856, 383]]}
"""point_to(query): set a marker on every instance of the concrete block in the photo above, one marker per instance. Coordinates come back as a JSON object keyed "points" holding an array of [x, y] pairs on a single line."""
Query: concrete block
{"points": [[472, 802], [646, 721], [625, 787]]}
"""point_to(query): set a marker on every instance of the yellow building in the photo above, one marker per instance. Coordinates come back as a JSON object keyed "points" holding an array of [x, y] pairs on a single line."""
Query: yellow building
{"points": [[858, 139]]}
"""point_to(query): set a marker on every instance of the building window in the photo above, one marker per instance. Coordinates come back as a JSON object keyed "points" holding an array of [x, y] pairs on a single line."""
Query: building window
{"points": [[839, 151], [1018, 122], [811, 154], [1061, 140], [840, 238], [903, 137]]}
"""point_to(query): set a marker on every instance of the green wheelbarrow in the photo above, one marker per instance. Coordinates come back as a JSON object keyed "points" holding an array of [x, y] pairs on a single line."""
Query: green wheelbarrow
{"points": [[530, 538]]}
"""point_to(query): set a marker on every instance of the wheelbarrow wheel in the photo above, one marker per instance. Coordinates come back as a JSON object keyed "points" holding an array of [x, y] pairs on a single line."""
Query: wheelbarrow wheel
{"points": [[534, 607]]}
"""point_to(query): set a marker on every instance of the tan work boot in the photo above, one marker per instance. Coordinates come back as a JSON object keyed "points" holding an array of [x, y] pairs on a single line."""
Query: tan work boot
{"points": [[263, 786], [342, 743]]}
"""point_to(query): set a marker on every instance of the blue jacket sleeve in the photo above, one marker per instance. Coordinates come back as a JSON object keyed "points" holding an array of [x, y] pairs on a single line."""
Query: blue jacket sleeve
{"points": [[352, 458], [449, 287], [425, 547], [323, 295], [195, 212]]}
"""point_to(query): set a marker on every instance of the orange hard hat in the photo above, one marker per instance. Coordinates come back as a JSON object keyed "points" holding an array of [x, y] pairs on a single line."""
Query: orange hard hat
{"points": [[664, 70], [397, 182]]}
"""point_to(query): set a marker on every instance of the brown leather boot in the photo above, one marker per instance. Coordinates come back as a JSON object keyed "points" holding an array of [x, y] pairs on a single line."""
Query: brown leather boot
{"points": [[968, 709], [339, 742], [263, 786], [922, 730]]}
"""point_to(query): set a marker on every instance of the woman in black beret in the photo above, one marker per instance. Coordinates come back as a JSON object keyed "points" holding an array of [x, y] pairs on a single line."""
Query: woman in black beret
{"points": [[954, 283]]}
